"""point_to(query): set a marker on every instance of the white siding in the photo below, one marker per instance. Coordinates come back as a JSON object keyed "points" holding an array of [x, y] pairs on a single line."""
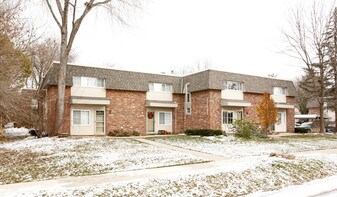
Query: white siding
{"points": [[88, 92], [159, 96], [232, 94], [279, 98]]}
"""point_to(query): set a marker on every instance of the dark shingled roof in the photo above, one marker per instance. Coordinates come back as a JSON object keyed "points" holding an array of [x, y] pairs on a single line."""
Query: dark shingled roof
{"points": [[137, 81]]}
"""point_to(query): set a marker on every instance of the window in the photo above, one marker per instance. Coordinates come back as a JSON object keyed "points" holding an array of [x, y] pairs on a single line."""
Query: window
{"points": [[187, 99], [165, 118], [280, 91], [227, 117], [233, 85], [88, 82], [160, 87], [239, 115], [281, 118], [81, 117]]}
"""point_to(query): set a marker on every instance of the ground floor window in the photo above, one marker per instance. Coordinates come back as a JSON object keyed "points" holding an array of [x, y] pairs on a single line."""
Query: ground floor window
{"points": [[81, 117], [281, 118], [227, 117], [165, 118]]}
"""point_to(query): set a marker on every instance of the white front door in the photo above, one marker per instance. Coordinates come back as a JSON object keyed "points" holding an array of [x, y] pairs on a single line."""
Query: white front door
{"points": [[281, 124], [100, 122]]}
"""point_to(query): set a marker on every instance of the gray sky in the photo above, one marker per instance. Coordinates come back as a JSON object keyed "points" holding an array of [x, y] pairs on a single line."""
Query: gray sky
{"points": [[241, 36]]}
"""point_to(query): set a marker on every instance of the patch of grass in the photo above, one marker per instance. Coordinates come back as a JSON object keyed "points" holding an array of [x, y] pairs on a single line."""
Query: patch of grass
{"points": [[84, 157], [311, 136], [270, 176]]}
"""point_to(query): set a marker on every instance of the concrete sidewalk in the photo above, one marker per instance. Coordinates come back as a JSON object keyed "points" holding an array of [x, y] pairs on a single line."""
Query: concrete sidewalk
{"points": [[117, 177], [216, 162]]}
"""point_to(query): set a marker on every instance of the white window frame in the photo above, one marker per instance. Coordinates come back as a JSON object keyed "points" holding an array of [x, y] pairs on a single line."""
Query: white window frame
{"points": [[188, 99], [160, 87], [103, 119], [80, 110], [165, 119], [225, 121], [79, 81], [230, 84], [239, 112], [280, 91], [281, 118]]}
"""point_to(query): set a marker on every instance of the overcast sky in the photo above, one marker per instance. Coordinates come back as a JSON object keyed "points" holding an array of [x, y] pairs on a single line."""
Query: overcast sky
{"points": [[242, 36]]}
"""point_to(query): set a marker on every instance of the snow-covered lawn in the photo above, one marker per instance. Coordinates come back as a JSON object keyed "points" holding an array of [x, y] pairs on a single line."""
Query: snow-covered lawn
{"points": [[250, 170], [45, 158], [231, 147], [264, 174]]}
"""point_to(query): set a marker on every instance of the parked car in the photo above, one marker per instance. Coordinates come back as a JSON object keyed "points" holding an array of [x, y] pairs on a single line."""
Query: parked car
{"points": [[330, 129], [305, 127]]}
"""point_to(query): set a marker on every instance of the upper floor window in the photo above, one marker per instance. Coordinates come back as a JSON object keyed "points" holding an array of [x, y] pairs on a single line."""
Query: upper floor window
{"points": [[279, 91], [160, 87], [233, 85], [88, 82]]}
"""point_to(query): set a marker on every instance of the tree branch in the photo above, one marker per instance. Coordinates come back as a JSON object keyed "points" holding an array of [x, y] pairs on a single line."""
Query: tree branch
{"points": [[53, 14]]}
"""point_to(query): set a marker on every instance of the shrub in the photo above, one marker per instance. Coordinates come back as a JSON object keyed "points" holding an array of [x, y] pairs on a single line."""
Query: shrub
{"points": [[122, 133], [204, 132], [302, 130], [245, 129]]}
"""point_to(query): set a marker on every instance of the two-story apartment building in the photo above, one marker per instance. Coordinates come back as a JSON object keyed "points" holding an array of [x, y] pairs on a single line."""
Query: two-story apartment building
{"points": [[99, 100]]}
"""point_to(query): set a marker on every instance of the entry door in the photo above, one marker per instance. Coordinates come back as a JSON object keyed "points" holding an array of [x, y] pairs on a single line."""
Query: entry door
{"points": [[150, 121], [100, 123], [281, 125]]}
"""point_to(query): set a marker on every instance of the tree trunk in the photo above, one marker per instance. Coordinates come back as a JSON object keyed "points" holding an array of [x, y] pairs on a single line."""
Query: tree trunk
{"points": [[1, 127], [335, 95], [62, 73], [321, 120], [322, 98]]}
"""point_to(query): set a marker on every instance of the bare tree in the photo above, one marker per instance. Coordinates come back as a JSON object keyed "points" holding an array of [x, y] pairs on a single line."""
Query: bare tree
{"points": [[306, 41], [188, 69], [15, 65], [43, 54], [69, 16], [272, 75], [332, 50], [302, 97]]}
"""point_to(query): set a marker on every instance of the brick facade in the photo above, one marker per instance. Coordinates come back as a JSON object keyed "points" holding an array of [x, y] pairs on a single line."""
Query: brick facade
{"points": [[178, 114], [251, 114], [126, 111], [206, 110], [291, 115], [51, 99]]}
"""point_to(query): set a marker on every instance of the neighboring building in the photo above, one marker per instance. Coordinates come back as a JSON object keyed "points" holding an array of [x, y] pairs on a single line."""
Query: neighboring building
{"points": [[329, 114], [99, 100]]}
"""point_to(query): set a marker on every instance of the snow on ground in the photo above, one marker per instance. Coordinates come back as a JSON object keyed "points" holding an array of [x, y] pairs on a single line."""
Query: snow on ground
{"points": [[16, 132], [250, 171], [320, 187], [264, 174], [81, 156], [231, 147]]}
